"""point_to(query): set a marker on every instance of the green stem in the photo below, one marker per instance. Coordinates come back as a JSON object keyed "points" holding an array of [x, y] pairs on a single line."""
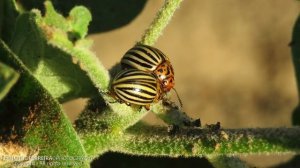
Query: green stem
{"points": [[100, 124], [191, 142], [172, 114], [161, 20], [155, 141], [111, 118]]}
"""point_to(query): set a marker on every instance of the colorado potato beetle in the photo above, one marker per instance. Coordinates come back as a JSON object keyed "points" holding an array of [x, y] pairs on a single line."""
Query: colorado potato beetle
{"points": [[150, 59], [133, 86]]}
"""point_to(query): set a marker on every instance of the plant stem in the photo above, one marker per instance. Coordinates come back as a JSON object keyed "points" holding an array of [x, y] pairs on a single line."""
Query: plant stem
{"points": [[172, 115], [155, 141], [190, 142], [161, 20]]}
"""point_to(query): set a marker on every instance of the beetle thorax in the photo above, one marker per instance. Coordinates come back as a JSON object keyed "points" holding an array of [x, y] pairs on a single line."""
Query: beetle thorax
{"points": [[165, 74]]}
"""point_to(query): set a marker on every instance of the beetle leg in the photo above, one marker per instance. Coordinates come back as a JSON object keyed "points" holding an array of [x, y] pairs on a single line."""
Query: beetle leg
{"points": [[147, 107]]}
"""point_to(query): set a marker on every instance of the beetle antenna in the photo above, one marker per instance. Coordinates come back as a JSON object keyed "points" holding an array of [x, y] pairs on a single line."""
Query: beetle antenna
{"points": [[180, 102]]}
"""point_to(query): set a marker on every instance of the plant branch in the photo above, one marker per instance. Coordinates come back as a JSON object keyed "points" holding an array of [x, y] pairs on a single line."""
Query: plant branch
{"points": [[161, 20], [156, 141], [107, 121], [171, 114]]}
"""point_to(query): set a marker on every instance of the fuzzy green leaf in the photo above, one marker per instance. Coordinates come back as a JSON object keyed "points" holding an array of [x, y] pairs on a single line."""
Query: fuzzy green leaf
{"points": [[79, 25], [8, 77], [78, 49], [61, 63], [54, 19], [31, 116], [107, 14]]}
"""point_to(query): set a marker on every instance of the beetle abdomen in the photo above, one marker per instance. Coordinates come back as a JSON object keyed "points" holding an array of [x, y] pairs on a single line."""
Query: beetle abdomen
{"points": [[143, 57], [136, 87]]}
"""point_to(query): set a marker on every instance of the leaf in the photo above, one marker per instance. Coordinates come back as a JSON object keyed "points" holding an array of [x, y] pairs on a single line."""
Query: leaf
{"points": [[8, 15], [61, 64], [8, 77], [1, 16], [79, 25], [295, 46], [34, 118], [107, 14]]}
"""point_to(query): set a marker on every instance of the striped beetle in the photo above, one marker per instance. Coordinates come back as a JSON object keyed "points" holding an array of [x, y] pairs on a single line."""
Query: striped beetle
{"points": [[150, 59], [133, 86]]}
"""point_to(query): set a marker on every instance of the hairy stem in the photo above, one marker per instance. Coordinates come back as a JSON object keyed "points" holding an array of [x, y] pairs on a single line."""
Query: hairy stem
{"points": [[100, 124], [161, 20], [190, 142], [156, 141], [171, 114]]}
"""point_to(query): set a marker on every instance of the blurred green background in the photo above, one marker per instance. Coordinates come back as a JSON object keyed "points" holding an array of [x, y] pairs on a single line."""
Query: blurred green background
{"points": [[232, 61]]}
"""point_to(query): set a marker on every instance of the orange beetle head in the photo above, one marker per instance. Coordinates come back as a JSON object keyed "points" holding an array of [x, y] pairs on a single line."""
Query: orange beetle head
{"points": [[165, 74]]}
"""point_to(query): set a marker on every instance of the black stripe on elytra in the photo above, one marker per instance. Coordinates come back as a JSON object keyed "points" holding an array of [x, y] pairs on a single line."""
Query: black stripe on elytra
{"points": [[138, 95], [135, 81], [130, 72], [149, 54], [125, 94], [137, 55], [138, 62], [134, 74], [158, 53], [152, 86], [161, 54]]}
